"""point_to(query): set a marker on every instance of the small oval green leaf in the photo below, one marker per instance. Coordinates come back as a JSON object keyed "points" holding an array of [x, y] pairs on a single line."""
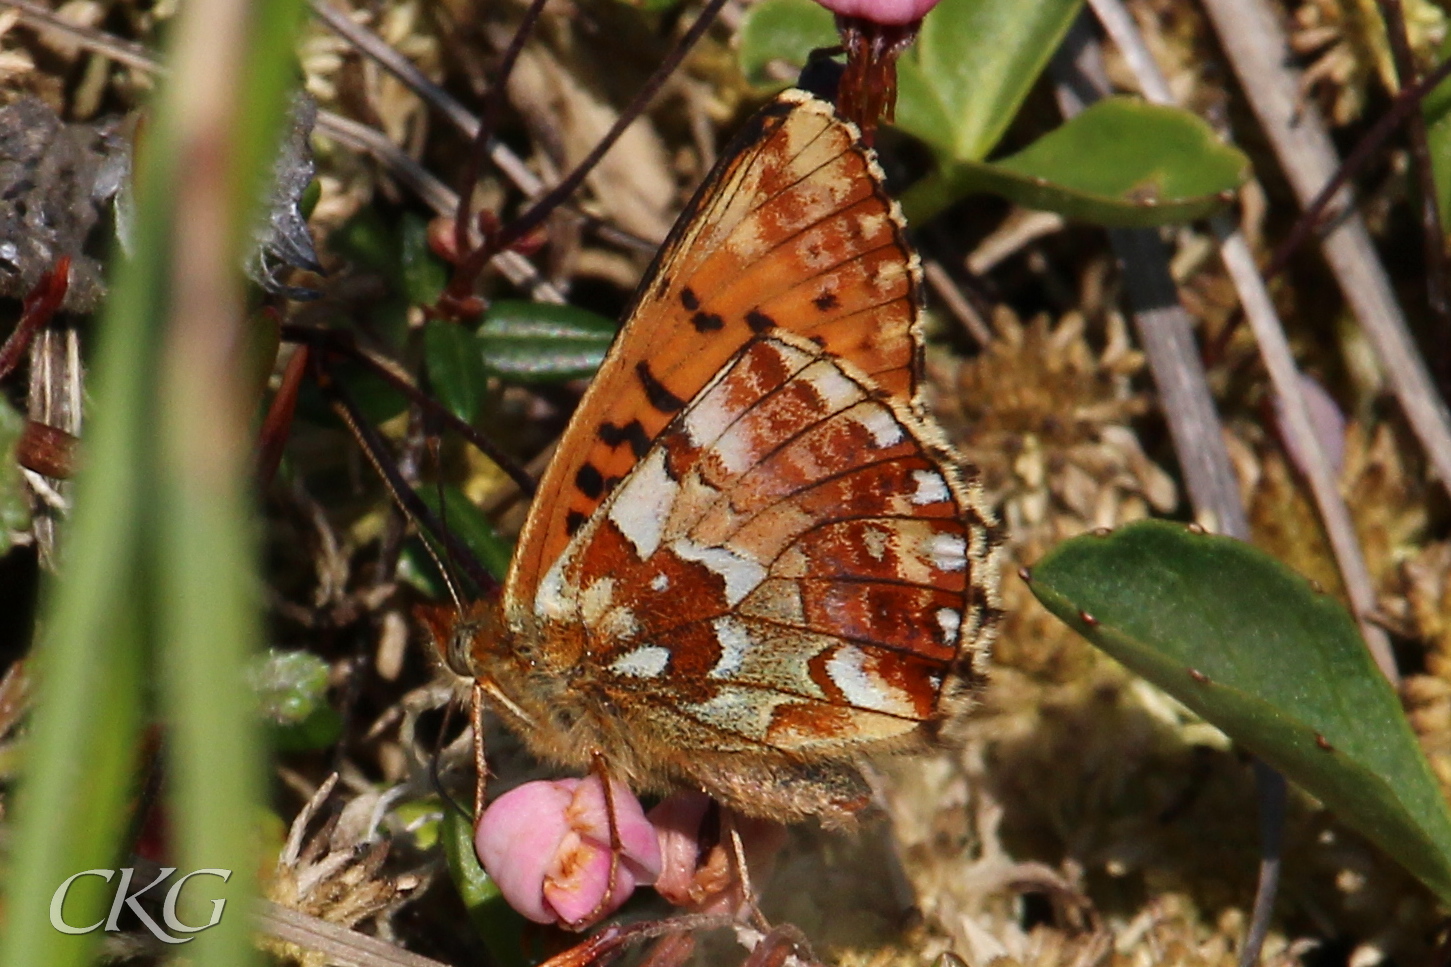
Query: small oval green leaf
{"points": [[1121, 162], [422, 273], [455, 367], [777, 35], [1246, 643], [537, 342]]}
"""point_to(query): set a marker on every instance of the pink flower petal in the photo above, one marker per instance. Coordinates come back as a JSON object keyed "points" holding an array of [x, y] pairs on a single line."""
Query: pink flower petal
{"points": [[881, 11], [547, 846], [518, 838]]}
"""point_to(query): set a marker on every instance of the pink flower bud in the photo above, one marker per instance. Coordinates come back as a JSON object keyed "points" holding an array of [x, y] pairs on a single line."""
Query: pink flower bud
{"points": [[547, 846], [895, 12]]}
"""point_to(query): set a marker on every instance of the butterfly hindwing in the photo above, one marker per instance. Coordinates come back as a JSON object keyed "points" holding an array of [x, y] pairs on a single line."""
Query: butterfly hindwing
{"points": [[787, 568], [793, 231]]}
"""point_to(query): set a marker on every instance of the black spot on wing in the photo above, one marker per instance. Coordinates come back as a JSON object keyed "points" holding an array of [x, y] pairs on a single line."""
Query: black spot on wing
{"points": [[707, 322], [689, 299], [759, 321], [655, 392], [632, 433], [573, 521], [826, 301], [589, 481]]}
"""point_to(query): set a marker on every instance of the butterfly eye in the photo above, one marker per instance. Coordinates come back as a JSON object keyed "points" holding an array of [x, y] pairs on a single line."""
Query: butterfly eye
{"points": [[458, 654]]}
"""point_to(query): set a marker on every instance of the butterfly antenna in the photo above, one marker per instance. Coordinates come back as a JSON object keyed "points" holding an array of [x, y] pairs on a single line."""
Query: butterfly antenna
{"points": [[403, 494]]}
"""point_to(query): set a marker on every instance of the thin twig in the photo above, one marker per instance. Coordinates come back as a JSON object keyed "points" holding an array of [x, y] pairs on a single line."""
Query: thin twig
{"points": [[962, 309], [1407, 102], [438, 196], [1431, 235], [494, 101], [1252, 37], [541, 208], [342, 343], [1165, 332], [1274, 349], [513, 167]]}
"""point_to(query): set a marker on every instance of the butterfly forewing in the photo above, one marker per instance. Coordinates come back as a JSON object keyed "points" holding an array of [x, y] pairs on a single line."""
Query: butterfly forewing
{"points": [[793, 231]]}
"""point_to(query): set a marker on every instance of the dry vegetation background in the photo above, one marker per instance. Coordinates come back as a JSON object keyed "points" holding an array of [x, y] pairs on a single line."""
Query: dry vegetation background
{"points": [[1082, 817]]}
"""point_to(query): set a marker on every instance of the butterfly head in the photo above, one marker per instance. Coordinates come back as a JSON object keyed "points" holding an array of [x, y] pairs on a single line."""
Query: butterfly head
{"points": [[458, 635]]}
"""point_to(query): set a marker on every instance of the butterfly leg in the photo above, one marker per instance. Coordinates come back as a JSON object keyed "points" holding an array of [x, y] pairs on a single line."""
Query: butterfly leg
{"points": [[779, 945], [749, 898], [481, 764]]}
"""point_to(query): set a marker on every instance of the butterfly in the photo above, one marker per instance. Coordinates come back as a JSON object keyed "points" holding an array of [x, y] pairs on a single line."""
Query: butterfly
{"points": [[753, 559]]}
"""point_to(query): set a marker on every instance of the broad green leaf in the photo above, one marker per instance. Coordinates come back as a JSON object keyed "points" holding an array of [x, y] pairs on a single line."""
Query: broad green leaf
{"points": [[536, 342], [455, 367], [1249, 645], [1121, 162], [471, 526], [781, 32], [974, 62]]}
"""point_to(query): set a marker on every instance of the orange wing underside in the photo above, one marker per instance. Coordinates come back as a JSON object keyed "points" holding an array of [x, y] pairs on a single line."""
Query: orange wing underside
{"points": [[792, 231]]}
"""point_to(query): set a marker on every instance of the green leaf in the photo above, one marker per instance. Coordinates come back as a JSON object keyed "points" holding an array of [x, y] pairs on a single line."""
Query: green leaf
{"points": [[537, 342], [1121, 162], [455, 367], [783, 33], [500, 927], [470, 525], [960, 85], [1246, 643], [422, 273], [14, 501]]}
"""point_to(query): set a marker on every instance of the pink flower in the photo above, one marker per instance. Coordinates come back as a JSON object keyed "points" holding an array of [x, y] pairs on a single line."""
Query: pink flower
{"points": [[708, 883], [547, 846], [894, 12]]}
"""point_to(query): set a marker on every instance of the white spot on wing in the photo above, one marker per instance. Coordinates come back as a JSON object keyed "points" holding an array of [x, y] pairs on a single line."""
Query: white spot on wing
{"points": [[884, 428], [596, 600], [551, 601], [949, 621], [642, 503], [741, 574], [660, 582], [835, 390], [947, 552], [646, 661], [734, 642], [847, 669], [931, 488]]}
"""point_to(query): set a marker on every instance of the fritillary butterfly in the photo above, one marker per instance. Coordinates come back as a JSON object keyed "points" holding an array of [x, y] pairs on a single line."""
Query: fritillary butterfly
{"points": [[752, 559]]}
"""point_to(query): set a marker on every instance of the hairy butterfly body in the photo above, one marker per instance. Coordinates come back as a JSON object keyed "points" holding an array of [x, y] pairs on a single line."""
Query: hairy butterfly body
{"points": [[752, 560]]}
